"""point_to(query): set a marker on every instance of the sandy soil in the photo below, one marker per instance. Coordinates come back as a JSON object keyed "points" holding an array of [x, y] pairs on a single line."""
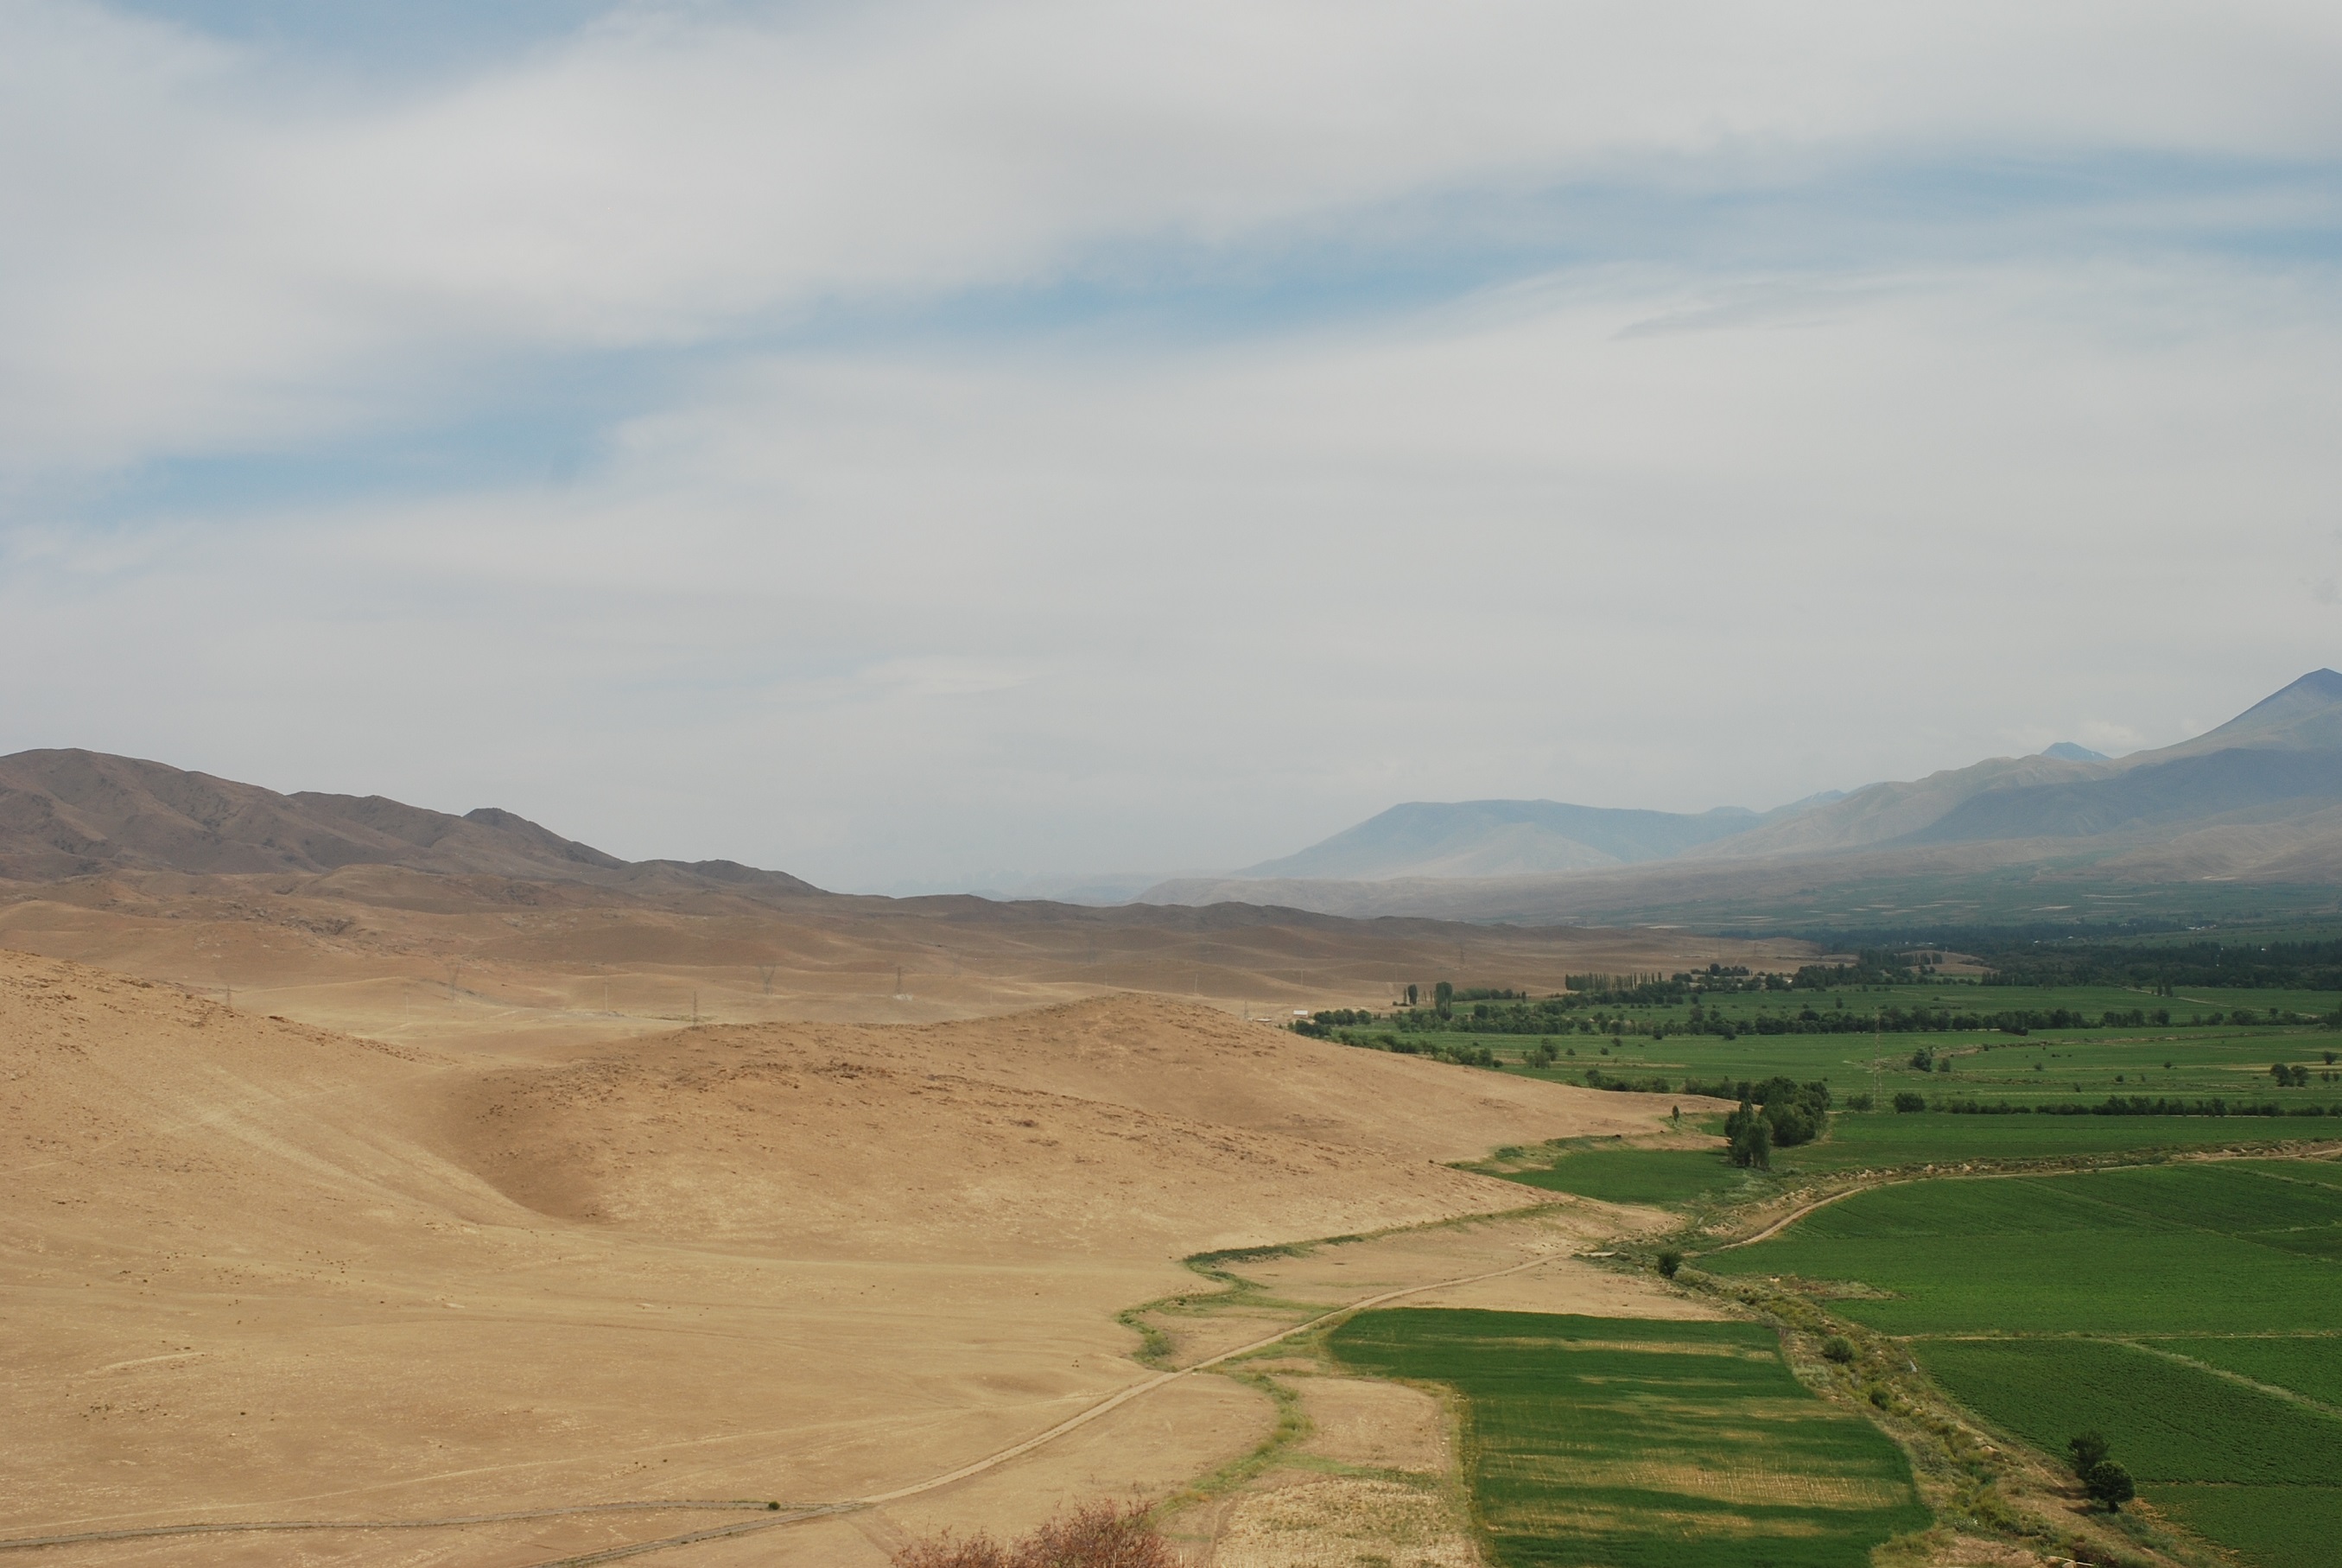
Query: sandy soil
{"points": [[1346, 1522], [252, 1268], [1382, 1426]]}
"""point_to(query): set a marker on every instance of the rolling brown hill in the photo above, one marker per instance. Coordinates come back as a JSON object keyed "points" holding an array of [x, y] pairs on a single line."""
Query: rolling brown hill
{"points": [[363, 914], [254, 1269], [73, 813]]}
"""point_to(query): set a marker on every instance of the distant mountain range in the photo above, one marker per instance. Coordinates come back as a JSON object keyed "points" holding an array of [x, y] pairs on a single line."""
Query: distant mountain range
{"points": [[68, 814], [2257, 799], [1510, 838], [2247, 818]]}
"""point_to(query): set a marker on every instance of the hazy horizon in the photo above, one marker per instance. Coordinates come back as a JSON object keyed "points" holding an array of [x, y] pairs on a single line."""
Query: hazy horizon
{"points": [[916, 447]]}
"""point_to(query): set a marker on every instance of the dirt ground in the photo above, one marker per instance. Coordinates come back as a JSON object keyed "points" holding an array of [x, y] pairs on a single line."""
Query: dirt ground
{"points": [[255, 1269]]}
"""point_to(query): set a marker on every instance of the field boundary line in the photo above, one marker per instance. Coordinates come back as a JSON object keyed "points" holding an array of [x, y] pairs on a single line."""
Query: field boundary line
{"points": [[2226, 1376], [1783, 1224]]}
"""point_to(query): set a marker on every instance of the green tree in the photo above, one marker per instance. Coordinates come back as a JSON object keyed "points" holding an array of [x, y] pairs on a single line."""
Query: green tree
{"points": [[2086, 1449], [1752, 1138], [2110, 1483], [1906, 1101], [1669, 1262]]}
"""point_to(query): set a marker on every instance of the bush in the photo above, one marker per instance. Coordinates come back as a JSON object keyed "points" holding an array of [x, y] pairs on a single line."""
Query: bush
{"points": [[1906, 1101], [1838, 1348], [1099, 1536], [1669, 1262], [2084, 1449]]}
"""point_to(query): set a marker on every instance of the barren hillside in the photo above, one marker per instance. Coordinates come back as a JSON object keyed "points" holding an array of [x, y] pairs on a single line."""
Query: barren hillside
{"points": [[255, 1269], [499, 963]]}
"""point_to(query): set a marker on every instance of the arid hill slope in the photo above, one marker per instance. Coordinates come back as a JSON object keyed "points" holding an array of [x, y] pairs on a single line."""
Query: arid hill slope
{"points": [[1114, 1125], [72, 812], [254, 1269], [502, 963]]}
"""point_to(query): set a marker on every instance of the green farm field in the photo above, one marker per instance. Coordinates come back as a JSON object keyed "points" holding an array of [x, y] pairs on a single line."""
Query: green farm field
{"points": [[1637, 1443], [1668, 1177], [2191, 1312], [2048, 1066], [1888, 1141]]}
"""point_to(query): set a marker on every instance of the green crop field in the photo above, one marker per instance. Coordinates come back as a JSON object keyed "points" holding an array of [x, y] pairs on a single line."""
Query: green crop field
{"points": [[2181, 1060], [1642, 1175], [2119, 1300], [2192, 1439], [1637, 1444], [2176, 1423], [2146, 1249], [1887, 1139], [2311, 1367]]}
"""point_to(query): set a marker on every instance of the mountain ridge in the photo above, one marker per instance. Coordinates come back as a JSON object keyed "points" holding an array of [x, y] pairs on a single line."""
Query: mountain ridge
{"points": [[70, 813], [2257, 798]]}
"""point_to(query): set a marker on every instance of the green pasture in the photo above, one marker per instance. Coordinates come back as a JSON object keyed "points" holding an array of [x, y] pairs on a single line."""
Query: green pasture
{"points": [[2146, 1302], [1637, 1443]]}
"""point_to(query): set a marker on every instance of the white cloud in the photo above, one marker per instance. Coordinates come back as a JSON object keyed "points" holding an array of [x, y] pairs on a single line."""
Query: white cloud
{"points": [[206, 253], [873, 617]]}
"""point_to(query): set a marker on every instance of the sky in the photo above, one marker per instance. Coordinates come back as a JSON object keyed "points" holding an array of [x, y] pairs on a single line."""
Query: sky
{"points": [[923, 447]]}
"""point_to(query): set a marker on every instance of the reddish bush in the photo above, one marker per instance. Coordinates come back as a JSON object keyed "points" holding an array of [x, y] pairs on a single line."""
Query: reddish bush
{"points": [[1099, 1536]]}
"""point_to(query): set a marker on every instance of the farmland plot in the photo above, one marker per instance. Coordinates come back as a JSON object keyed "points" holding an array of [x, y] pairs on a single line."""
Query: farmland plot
{"points": [[1634, 1443], [2105, 1254], [2189, 1312], [1641, 1175]]}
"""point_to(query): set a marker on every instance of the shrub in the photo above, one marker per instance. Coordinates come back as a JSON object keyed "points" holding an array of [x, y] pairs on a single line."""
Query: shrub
{"points": [[1906, 1101], [1838, 1348], [1099, 1536], [2086, 1449], [1669, 1262]]}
